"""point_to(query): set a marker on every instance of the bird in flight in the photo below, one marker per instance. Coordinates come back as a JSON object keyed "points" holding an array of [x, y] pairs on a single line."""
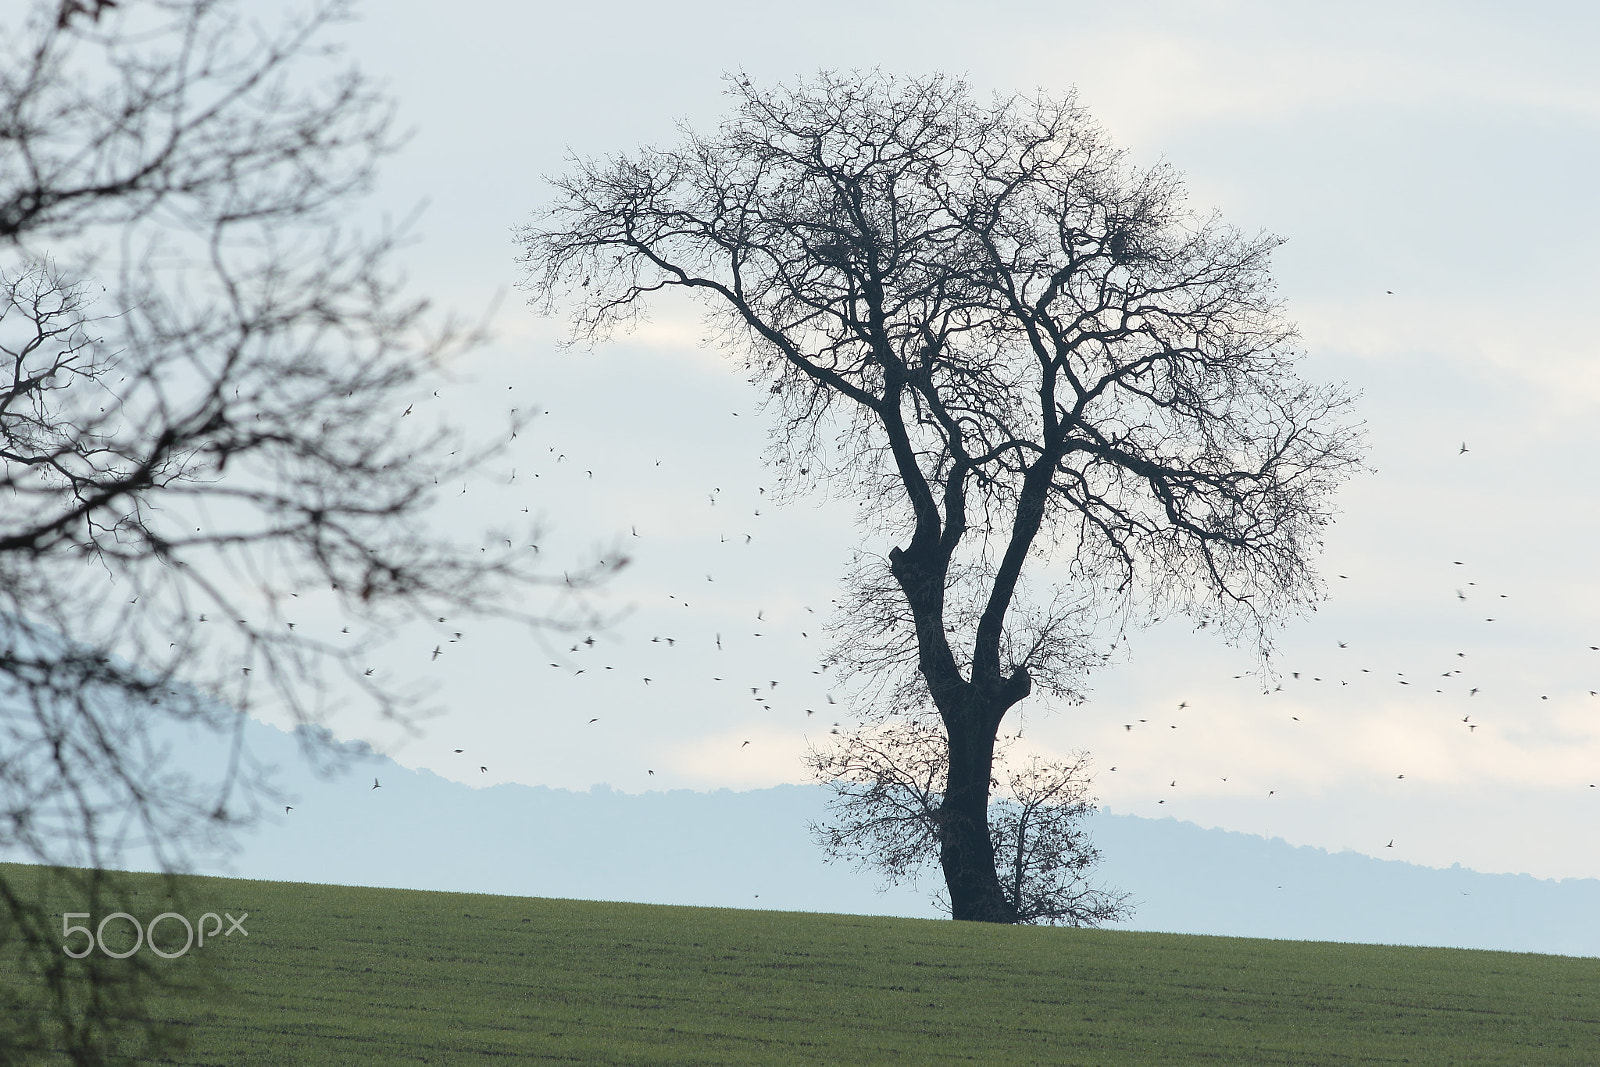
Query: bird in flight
{"points": [[73, 7], [1464, 449], [375, 784]]}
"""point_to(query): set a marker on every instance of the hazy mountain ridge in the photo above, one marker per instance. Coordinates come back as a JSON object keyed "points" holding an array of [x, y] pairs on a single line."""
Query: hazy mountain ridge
{"points": [[753, 849]]}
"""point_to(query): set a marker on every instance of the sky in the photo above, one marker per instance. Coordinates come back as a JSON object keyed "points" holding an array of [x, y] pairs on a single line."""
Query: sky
{"points": [[1430, 166]]}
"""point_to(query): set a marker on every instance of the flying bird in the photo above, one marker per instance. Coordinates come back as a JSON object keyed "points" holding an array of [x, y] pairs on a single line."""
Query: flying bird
{"points": [[375, 784], [73, 7]]}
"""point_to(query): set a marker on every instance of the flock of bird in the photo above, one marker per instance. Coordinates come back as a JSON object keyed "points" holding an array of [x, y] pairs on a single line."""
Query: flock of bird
{"points": [[580, 659], [1452, 683]]}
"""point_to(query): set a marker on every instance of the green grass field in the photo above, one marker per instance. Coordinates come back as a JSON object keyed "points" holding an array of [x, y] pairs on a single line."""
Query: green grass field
{"points": [[336, 975]]}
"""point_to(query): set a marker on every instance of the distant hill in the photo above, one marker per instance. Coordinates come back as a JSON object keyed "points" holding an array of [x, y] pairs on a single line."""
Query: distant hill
{"points": [[752, 849], [1194, 880]]}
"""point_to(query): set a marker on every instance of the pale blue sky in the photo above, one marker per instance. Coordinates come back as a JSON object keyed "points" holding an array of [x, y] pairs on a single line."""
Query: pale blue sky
{"points": [[1442, 151]]}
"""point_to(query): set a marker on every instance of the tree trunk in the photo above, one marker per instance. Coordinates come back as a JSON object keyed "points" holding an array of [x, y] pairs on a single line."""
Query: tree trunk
{"points": [[966, 850]]}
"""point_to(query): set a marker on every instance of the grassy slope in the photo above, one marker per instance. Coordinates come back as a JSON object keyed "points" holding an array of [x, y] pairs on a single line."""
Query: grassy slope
{"points": [[335, 975]]}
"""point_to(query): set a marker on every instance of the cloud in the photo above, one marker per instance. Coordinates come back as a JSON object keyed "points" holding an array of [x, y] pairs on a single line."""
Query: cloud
{"points": [[1165, 67], [723, 759]]}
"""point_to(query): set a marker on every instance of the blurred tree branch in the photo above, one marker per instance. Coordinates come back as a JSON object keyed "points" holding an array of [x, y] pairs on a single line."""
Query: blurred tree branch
{"points": [[205, 373]]}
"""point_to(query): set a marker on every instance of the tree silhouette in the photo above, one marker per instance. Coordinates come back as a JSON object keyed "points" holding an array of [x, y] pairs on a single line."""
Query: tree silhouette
{"points": [[204, 450], [1019, 352]]}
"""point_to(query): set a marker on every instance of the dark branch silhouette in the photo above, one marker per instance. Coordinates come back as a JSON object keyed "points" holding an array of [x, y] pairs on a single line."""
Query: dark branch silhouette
{"points": [[203, 373], [1025, 356], [888, 780]]}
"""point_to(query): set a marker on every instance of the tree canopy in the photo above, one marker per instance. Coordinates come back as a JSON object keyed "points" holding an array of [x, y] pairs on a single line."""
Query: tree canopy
{"points": [[1063, 394]]}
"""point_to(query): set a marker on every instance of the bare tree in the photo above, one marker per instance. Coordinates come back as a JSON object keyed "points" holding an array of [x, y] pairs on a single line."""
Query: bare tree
{"points": [[214, 439], [1021, 352], [885, 814], [1043, 853]]}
